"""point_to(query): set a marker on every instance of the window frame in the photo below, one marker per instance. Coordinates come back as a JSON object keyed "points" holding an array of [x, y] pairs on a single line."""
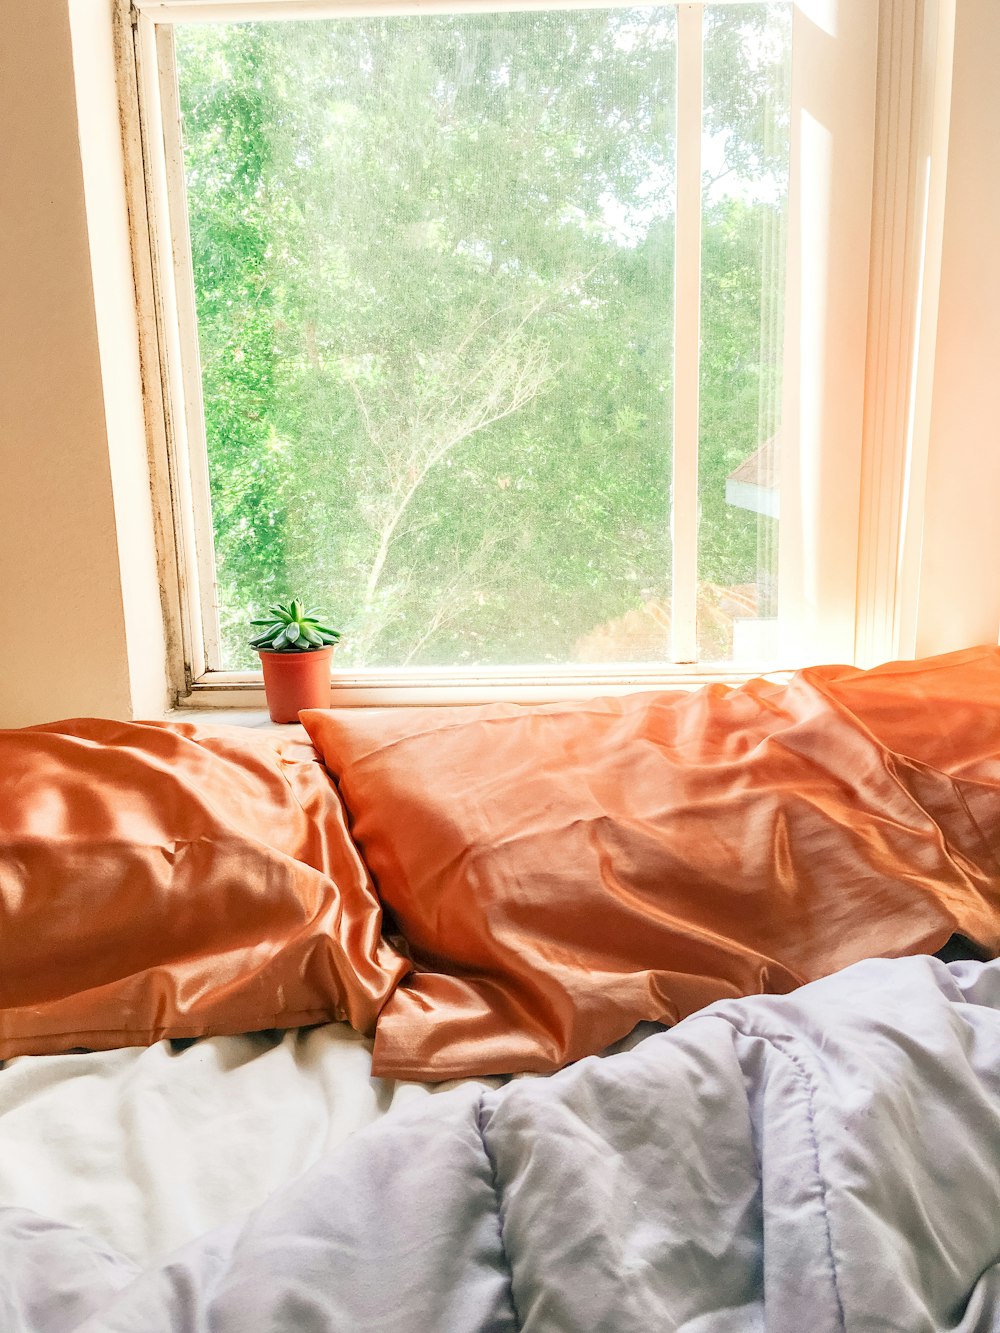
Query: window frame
{"points": [[180, 478]]}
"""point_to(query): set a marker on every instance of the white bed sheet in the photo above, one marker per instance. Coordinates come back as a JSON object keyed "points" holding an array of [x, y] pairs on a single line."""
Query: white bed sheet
{"points": [[149, 1147]]}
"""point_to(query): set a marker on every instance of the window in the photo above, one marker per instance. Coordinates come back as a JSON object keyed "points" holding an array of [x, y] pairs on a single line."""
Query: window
{"points": [[481, 327]]}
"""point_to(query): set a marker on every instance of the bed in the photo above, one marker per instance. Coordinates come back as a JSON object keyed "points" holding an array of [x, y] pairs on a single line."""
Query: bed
{"points": [[784, 1128]]}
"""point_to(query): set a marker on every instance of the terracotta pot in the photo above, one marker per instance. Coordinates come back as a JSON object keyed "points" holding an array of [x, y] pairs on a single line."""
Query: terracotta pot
{"points": [[296, 680]]}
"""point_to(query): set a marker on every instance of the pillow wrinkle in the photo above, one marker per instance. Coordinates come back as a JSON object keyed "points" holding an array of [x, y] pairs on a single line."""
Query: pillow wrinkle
{"points": [[627, 859], [179, 880]]}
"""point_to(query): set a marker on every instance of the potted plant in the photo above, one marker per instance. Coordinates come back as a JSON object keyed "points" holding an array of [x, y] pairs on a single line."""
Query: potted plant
{"points": [[295, 651]]}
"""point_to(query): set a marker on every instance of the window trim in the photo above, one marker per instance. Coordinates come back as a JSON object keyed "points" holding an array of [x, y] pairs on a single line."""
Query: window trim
{"points": [[172, 216], [916, 44], [221, 11], [182, 496], [687, 335]]}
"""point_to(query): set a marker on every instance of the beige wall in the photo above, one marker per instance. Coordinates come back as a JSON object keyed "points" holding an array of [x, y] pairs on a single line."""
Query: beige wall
{"points": [[73, 486], [961, 546]]}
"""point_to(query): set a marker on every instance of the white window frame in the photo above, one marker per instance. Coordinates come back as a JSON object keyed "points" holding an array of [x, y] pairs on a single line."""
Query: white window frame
{"points": [[827, 591]]}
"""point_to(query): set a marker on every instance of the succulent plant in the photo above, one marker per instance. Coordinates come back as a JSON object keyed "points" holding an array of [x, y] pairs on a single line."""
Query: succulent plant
{"points": [[291, 629]]}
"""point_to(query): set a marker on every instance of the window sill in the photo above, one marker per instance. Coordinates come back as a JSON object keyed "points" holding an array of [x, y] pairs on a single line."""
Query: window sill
{"points": [[244, 691], [256, 718]]}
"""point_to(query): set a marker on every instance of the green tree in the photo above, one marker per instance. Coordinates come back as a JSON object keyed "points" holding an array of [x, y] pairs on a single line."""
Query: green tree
{"points": [[434, 266]]}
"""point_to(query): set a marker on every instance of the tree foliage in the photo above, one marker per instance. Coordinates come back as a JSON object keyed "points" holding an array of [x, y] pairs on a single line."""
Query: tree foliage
{"points": [[433, 263]]}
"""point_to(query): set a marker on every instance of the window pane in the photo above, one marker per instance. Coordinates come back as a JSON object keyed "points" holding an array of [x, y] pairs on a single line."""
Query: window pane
{"points": [[433, 263], [744, 198]]}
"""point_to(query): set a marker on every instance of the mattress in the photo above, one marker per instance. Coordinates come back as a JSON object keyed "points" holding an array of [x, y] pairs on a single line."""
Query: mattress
{"points": [[149, 1147]]}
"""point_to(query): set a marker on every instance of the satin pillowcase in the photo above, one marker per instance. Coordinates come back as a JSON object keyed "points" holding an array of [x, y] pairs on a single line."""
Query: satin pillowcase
{"points": [[562, 872], [177, 881]]}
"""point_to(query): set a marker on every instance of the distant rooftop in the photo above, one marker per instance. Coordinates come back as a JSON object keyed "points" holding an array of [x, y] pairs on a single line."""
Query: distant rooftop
{"points": [[754, 485]]}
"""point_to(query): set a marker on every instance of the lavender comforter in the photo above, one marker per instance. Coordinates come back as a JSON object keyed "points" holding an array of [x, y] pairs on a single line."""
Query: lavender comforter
{"points": [[827, 1160]]}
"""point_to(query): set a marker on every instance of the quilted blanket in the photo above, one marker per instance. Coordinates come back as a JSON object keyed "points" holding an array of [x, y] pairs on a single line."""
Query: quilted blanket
{"points": [[827, 1160]]}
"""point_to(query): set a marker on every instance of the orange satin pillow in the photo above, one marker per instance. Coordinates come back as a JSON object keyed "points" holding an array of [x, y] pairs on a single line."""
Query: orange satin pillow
{"points": [[562, 872], [174, 881]]}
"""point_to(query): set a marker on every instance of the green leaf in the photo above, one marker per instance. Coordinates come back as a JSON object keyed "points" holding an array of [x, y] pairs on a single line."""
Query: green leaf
{"points": [[292, 632]]}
